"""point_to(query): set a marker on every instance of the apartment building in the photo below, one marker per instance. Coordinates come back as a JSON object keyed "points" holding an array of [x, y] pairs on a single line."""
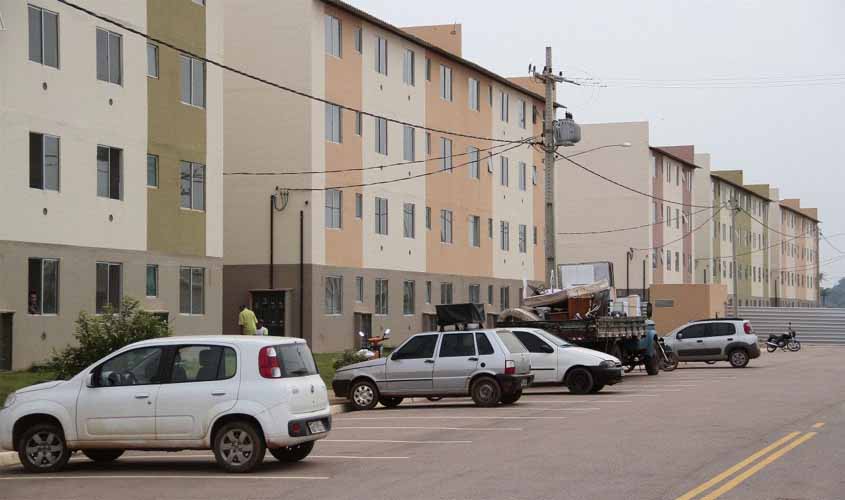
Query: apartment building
{"points": [[112, 163], [795, 255], [354, 246], [648, 240]]}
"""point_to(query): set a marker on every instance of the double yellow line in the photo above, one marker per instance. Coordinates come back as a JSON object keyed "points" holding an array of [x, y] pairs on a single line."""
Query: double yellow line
{"points": [[768, 454]]}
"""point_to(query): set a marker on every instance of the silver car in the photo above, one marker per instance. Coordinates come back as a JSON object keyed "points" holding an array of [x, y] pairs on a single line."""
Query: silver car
{"points": [[491, 366]]}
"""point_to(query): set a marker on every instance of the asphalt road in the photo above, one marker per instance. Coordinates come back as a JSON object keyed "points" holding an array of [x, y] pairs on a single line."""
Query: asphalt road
{"points": [[774, 430]]}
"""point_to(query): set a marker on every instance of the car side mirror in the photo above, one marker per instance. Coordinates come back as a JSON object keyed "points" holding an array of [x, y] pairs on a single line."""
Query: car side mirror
{"points": [[92, 379], [679, 336]]}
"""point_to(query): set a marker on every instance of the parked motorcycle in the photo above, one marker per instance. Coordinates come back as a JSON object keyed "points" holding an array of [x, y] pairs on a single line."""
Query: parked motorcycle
{"points": [[668, 358], [784, 342]]}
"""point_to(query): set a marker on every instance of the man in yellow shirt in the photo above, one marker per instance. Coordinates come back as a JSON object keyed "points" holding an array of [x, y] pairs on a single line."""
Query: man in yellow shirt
{"points": [[247, 321]]}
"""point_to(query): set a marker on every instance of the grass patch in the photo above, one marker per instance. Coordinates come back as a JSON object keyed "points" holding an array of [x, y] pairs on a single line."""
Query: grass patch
{"points": [[325, 363], [12, 381]]}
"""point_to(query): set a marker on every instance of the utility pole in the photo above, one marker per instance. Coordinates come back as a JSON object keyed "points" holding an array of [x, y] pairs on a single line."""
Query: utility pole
{"points": [[734, 208]]}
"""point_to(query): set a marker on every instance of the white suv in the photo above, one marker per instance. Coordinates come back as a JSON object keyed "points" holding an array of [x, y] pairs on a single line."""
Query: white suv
{"points": [[711, 340], [238, 396]]}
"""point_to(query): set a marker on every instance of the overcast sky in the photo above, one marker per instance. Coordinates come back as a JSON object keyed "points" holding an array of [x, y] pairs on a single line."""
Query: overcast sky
{"points": [[788, 136]]}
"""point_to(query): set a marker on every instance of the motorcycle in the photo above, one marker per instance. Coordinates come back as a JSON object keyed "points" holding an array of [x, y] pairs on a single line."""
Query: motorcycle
{"points": [[668, 358], [787, 341]]}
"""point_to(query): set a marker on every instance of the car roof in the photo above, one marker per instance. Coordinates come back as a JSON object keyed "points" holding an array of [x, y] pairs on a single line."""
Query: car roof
{"points": [[716, 319], [259, 340]]}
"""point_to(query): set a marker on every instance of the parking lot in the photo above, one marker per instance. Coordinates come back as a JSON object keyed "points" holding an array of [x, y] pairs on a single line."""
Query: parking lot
{"points": [[698, 432]]}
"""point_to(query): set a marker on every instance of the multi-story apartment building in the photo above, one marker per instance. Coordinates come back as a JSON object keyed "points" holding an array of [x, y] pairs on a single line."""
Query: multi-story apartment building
{"points": [[111, 169], [795, 255], [648, 239], [376, 247]]}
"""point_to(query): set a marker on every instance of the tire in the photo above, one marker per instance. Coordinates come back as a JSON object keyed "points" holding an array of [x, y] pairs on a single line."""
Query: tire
{"points": [[389, 402], [652, 364], [580, 381], [293, 453], [672, 364], [596, 388], [711, 362], [509, 399], [434, 399], [239, 447], [102, 456], [485, 391], [794, 345], [771, 348], [738, 358], [364, 395], [42, 448]]}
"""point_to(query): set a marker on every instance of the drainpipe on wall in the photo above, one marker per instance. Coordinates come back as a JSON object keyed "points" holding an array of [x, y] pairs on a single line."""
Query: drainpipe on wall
{"points": [[301, 273]]}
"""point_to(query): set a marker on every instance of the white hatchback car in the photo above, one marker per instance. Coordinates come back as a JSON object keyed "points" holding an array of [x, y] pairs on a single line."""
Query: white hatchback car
{"points": [[237, 396]]}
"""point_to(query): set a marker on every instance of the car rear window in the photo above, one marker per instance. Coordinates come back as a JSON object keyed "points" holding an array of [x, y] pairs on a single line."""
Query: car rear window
{"points": [[511, 342], [296, 360]]}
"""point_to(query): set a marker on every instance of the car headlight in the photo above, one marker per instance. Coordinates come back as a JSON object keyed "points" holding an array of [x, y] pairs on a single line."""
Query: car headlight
{"points": [[607, 364], [10, 400]]}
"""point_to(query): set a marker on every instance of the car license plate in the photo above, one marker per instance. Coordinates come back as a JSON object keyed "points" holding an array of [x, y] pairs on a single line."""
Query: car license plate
{"points": [[524, 382], [316, 427]]}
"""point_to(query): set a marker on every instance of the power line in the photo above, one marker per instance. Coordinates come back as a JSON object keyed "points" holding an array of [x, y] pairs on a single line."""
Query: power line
{"points": [[682, 237], [813, 265], [761, 78], [508, 147], [831, 243], [728, 257], [271, 83], [619, 230], [770, 228], [623, 186]]}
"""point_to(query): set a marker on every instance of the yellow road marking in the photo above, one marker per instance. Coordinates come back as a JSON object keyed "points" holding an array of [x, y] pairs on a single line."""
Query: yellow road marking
{"points": [[818, 425], [709, 484], [733, 483]]}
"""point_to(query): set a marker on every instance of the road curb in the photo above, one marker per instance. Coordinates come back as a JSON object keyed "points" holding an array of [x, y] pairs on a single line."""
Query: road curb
{"points": [[342, 408], [8, 458]]}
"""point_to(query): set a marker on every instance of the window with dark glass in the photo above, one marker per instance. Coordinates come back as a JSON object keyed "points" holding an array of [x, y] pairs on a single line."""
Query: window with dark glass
{"points": [[192, 185], [43, 36], [43, 292], [456, 345], [109, 172], [109, 57], [43, 161], [109, 286]]}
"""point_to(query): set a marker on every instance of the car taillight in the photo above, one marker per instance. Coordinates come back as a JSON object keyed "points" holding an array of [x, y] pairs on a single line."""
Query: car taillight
{"points": [[510, 367], [747, 327], [268, 363]]}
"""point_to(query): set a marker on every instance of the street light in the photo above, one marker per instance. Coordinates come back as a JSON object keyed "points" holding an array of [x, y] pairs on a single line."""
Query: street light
{"points": [[620, 145]]}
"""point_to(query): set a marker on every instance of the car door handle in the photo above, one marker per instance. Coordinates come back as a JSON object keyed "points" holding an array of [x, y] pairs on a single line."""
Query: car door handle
{"points": [[699, 341], [143, 395], [429, 361], [472, 359], [218, 393], [730, 340]]}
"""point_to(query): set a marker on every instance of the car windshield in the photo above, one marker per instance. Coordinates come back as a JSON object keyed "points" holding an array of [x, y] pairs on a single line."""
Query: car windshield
{"points": [[553, 339]]}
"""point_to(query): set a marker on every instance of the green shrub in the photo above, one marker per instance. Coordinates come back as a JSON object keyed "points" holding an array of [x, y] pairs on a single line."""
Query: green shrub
{"points": [[348, 358], [99, 335]]}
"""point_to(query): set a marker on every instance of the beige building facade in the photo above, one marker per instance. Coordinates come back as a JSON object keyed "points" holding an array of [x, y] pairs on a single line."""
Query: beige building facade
{"points": [[371, 219], [95, 130]]}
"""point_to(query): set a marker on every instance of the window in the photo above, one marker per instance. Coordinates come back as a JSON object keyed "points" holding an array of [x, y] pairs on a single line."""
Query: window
{"points": [[446, 153], [192, 290], [490, 228], [358, 36], [505, 236], [192, 179], [484, 345], [428, 143], [668, 261], [445, 83], [474, 166], [668, 216], [358, 123], [203, 363], [533, 175], [334, 40], [381, 135], [381, 296], [381, 55], [535, 235], [152, 280], [199, 2], [504, 106], [532, 342], [428, 69], [43, 161], [109, 178], [668, 172], [428, 217], [695, 331], [456, 345], [334, 295], [474, 231], [445, 293], [533, 113], [135, 367], [677, 174], [428, 292], [677, 262], [445, 226], [475, 294], [109, 284], [520, 107], [523, 246], [109, 56], [490, 294], [408, 68], [359, 289], [474, 91], [152, 60], [334, 122], [152, 170], [677, 218], [381, 216], [523, 173], [504, 174], [408, 297], [408, 216], [409, 153], [505, 297], [334, 208], [43, 36], [359, 205], [418, 347], [43, 295], [192, 78]]}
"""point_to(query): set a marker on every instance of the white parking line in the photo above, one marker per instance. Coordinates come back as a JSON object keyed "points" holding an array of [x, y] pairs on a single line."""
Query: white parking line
{"points": [[573, 401], [211, 457], [434, 428], [392, 441], [455, 417], [148, 476]]}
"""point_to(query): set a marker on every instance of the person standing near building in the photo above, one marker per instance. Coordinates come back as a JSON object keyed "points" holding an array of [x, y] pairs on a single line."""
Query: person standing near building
{"points": [[262, 330], [247, 321]]}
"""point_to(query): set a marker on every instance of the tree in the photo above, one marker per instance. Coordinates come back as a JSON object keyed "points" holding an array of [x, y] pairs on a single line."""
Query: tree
{"points": [[835, 296], [99, 335]]}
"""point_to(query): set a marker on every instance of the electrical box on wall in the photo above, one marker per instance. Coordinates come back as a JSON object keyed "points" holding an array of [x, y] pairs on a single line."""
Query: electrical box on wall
{"points": [[567, 132]]}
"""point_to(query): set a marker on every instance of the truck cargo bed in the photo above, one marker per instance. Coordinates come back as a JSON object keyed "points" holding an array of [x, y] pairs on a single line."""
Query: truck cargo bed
{"points": [[587, 329]]}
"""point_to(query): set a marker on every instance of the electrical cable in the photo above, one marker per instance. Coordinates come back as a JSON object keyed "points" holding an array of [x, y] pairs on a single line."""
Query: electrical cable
{"points": [[729, 257], [271, 83], [619, 230], [825, 238], [682, 237], [810, 266]]}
